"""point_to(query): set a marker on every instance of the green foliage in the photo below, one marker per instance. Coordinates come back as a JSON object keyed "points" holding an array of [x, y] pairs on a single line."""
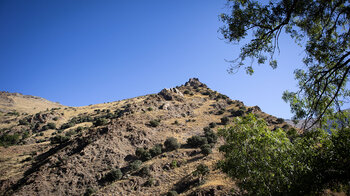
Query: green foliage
{"points": [[154, 123], [9, 140], [113, 175], [238, 112], [134, 166], [100, 122], [250, 154], [51, 125], [23, 122], [145, 171], [201, 171], [172, 193], [171, 144], [320, 27], [225, 120], [211, 137], [143, 154], [67, 125], [149, 109], [186, 92], [212, 125], [150, 182], [265, 162], [196, 141], [59, 139], [206, 149], [156, 150], [89, 191]]}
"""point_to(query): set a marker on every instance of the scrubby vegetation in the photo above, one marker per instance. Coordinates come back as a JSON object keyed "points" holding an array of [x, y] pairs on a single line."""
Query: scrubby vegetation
{"points": [[171, 143]]}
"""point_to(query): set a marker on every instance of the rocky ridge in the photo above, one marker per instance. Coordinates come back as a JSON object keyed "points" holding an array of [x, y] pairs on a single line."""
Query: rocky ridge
{"points": [[105, 136]]}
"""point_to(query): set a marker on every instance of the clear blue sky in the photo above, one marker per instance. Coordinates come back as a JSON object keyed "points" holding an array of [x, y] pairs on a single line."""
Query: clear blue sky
{"points": [[85, 52]]}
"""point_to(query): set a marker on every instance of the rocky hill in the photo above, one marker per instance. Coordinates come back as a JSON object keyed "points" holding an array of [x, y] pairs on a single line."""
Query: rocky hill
{"points": [[120, 148]]}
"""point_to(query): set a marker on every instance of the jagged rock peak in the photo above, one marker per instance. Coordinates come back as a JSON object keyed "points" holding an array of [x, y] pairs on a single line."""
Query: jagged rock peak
{"points": [[169, 94], [195, 83]]}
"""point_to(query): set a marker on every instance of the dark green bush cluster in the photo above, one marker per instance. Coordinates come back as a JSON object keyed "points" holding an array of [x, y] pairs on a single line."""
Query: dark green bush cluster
{"points": [[239, 112], [49, 126], [225, 120], [113, 175], [205, 142], [196, 141], [221, 96], [145, 171], [172, 193], [154, 123], [67, 125], [81, 119], [134, 166], [89, 191], [100, 122], [9, 140], [220, 112], [24, 121], [59, 139], [171, 143], [212, 125], [145, 154], [186, 92], [280, 120]]}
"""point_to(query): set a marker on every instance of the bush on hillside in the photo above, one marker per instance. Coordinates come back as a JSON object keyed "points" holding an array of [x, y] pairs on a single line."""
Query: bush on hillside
{"points": [[171, 144], [100, 122], [113, 175], [154, 123], [206, 149], [224, 120], [196, 141]]}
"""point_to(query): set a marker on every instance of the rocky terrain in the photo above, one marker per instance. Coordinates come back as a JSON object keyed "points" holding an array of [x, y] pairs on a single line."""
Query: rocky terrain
{"points": [[117, 148]]}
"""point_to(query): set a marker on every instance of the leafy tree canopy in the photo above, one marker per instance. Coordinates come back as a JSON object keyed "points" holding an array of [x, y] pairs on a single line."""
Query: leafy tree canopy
{"points": [[320, 26]]}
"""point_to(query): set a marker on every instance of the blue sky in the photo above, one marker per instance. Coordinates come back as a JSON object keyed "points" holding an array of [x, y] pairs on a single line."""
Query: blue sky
{"points": [[85, 52]]}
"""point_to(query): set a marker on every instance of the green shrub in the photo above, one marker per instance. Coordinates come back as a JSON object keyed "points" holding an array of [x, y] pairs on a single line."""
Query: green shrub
{"points": [[67, 125], [59, 139], [134, 166], [113, 175], [8, 140], [70, 133], [196, 141], [171, 144], [224, 120], [100, 122], [154, 123], [212, 125], [23, 122], [145, 171], [206, 149], [186, 92], [156, 150], [201, 171], [143, 154], [172, 193], [89, 191], [51, 125], [149, 109], [220, 112], [236, 113], [149, 182], [212, 137], [55, 118], [280, 120]]}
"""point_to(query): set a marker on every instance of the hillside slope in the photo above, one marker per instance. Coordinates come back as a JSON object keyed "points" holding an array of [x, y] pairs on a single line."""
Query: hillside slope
{"points": [[72, 150]]}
